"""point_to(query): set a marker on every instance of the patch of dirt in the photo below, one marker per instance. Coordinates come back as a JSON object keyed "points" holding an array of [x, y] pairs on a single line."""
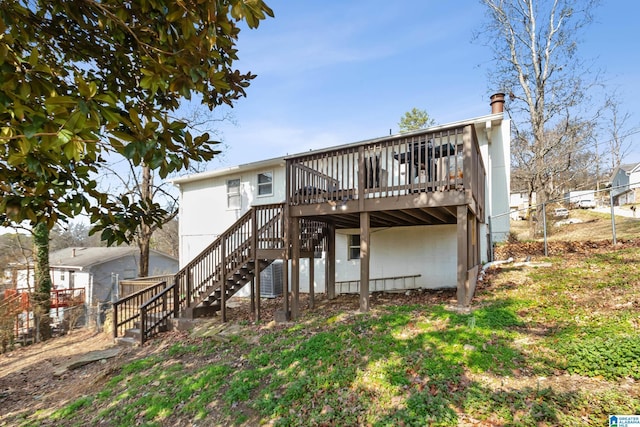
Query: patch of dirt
{"points": [[32, 378], [520, 250]]}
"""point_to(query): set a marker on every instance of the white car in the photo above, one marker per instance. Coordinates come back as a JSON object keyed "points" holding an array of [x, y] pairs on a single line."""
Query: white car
{"points": [[586, 204], [561, 213]]}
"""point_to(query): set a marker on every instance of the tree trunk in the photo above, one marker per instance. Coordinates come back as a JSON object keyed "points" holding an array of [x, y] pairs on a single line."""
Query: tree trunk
{"points": [[143, 245], [42, 294], [144, 238]]}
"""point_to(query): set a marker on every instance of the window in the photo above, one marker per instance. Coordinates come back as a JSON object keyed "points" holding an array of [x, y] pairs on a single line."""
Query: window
{"points": [[233, 194], [354, 246], [265, 184]]}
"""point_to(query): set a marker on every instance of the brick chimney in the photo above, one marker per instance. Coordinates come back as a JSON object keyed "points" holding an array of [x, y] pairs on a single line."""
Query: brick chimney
{"points": [[497, 103]]}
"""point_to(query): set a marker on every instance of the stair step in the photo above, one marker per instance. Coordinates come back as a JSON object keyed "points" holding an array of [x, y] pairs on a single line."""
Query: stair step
{"points": [[132, 333], [127, 341], [206, 311], [211, 303]]}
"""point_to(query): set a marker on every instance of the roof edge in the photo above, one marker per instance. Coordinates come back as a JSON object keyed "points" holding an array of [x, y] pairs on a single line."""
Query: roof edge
{"points": [[228, 170], [496, 117]]}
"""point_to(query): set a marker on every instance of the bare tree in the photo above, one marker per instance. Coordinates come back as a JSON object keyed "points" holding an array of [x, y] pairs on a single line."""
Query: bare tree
{"points": [[534, 43], [127, 185], [564, 169], [72, 234], [167, 238], [617, 131], [16, 254]]}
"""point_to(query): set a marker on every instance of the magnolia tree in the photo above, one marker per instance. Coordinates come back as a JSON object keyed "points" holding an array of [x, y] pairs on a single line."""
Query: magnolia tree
{"points": [[84, 79]]}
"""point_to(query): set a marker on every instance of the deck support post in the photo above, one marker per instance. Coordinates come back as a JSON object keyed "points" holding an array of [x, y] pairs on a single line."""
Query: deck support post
{"points": [[255, 283], [330, 262], [285, 265], [463, 261], [365, 252], [295, 268], [223, 280]]}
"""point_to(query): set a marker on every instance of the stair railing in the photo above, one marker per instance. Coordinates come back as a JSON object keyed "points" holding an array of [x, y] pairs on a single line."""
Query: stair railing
{"points": [[225, 255], [126, 311], [208, 271], [155, 313]]}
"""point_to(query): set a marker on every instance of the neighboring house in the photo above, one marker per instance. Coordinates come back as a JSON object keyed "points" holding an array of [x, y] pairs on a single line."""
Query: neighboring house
{"points": [[625, 184], [519, 205], [398, 212], [95, 270]]}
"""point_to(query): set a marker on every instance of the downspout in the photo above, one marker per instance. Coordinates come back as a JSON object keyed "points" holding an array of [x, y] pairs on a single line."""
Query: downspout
{"points": [[489, 194]]}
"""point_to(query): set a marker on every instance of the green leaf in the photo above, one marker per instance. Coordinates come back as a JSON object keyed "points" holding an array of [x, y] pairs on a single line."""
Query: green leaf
{"points": [[93, 89], [123, 136], [61, 100], [69, 150], [147, 82], [30, 131], [25, 90], [64, 136], [130, 150], [175, 15], [135, 118], [112, 117], [33, 58]]}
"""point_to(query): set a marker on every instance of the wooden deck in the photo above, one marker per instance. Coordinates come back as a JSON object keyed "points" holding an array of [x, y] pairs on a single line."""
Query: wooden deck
{"points": [[421, 178]]}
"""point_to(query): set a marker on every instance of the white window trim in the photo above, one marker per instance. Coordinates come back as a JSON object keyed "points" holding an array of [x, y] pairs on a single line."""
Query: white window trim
{"points": [[258, 184], [239, 194], [350, 246]]}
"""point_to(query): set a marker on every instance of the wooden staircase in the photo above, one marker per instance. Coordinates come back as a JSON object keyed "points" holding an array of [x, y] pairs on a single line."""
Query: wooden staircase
{"points": [[229, 263], [210, 301]]}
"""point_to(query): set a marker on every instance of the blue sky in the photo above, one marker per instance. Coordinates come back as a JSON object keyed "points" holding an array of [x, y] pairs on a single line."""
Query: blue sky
{"points": [[334, 72]]}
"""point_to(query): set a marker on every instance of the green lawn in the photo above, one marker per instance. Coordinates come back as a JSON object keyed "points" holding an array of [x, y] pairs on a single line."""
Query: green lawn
{"points": [[541, 346]]}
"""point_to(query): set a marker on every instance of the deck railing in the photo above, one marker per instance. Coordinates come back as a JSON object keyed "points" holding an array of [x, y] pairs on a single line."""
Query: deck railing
{"points": [[67, 297], [447, 159]]}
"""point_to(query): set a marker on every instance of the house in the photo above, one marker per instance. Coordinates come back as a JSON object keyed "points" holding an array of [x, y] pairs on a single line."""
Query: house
{"points": [[93, 272], [625, 184], [415, 210], [519, 205]]}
